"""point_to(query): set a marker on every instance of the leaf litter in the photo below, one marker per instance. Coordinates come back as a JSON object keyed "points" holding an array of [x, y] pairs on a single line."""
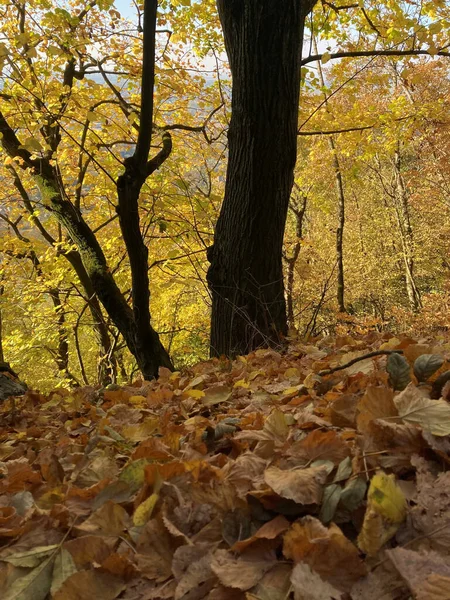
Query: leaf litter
{"points": [[316, 474]]}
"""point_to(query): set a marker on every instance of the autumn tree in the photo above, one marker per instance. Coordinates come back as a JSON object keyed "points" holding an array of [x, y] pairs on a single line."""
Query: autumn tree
{"points": [[75, 127], [264, 45]]}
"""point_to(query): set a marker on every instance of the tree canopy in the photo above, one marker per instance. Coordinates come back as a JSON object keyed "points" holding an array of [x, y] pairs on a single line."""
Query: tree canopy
{"points": [[366, 219]]}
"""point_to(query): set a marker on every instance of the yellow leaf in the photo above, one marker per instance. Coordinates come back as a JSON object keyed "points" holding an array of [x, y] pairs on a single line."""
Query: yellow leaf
{"points": [[387, 498], [138, 401], [194, 393], [144, 511], [241, 383], [386, 509]]}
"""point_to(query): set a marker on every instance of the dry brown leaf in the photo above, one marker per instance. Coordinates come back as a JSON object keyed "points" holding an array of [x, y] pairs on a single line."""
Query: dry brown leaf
{"points": [[155, 549], [435, 587], [326, 550], [110, 519], [268, 531], [417, 567], [432, 415], [320, 445], [343, 411], [275, 584], [308, 585], [90, 585], [197, 579], [88, 550], [245, 473], [377, 403], [243, 572], [304, 486]]}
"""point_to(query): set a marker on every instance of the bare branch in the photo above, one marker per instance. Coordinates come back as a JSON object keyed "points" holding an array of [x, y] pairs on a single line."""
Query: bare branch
{"points": [[361, 53]]}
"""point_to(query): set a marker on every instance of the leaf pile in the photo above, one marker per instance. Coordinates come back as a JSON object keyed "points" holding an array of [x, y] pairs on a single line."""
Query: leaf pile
{"points": [[269, 477]]}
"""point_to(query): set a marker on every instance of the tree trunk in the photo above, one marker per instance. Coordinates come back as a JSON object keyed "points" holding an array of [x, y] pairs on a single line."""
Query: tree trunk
{"points": [[298, 207], [2, 356], [62, 351], [340, 228], [406, 234], [263, 39], [341, 200]]}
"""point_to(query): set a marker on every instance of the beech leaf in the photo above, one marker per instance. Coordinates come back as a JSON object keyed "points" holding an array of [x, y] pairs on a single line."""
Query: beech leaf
{"points": [[431, 415], [399, 371], [426, 365]]}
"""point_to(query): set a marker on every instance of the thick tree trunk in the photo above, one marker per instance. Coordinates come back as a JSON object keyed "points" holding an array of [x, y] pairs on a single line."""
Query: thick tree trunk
{"points": [[263, 39]]}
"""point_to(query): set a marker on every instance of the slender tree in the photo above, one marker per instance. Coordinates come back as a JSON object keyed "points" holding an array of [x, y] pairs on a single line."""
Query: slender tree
{"points": [[134, 323], [263, 40]]}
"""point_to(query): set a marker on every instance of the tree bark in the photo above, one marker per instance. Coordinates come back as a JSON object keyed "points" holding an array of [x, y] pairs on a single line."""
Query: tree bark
{"points": [[406, 235], [263, 39], [298, 207], [106, 365]]}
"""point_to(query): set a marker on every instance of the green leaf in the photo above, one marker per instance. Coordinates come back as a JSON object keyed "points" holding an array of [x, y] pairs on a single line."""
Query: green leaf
{"points": [[33, 586], [399, 371], [344, 470], [63, 568], [426, 365], [331, 496], [353, 494], [30, 558]]}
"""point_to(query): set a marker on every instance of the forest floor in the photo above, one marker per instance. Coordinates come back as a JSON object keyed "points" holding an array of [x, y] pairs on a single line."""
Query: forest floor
{"points": [[264, 478]]}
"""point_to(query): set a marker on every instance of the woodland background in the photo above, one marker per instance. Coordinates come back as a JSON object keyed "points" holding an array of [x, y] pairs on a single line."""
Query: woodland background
{"points": [[366, 244]]}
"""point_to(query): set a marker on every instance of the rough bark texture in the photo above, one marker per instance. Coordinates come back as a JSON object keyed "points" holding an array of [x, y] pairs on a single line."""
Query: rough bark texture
{"points": [[263, 39]]}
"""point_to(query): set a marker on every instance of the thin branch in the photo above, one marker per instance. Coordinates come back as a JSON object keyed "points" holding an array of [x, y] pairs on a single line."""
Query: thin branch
{"points": [[154, 163], [355, 360], [360, 53]]}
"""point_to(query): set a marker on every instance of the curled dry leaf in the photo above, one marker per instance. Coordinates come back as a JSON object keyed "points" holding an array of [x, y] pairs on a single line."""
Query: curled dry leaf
{"points": [[269, 531], [242, 572], [304, 486], [326, 550], [320, 445], [308, 585]]}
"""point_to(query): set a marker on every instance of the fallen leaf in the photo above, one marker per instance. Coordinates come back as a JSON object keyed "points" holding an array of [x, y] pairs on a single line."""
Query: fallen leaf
{"points": [[308, 585], [326, 550], [242, 572], [90, 585], [304, 486], [431, 415]]}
